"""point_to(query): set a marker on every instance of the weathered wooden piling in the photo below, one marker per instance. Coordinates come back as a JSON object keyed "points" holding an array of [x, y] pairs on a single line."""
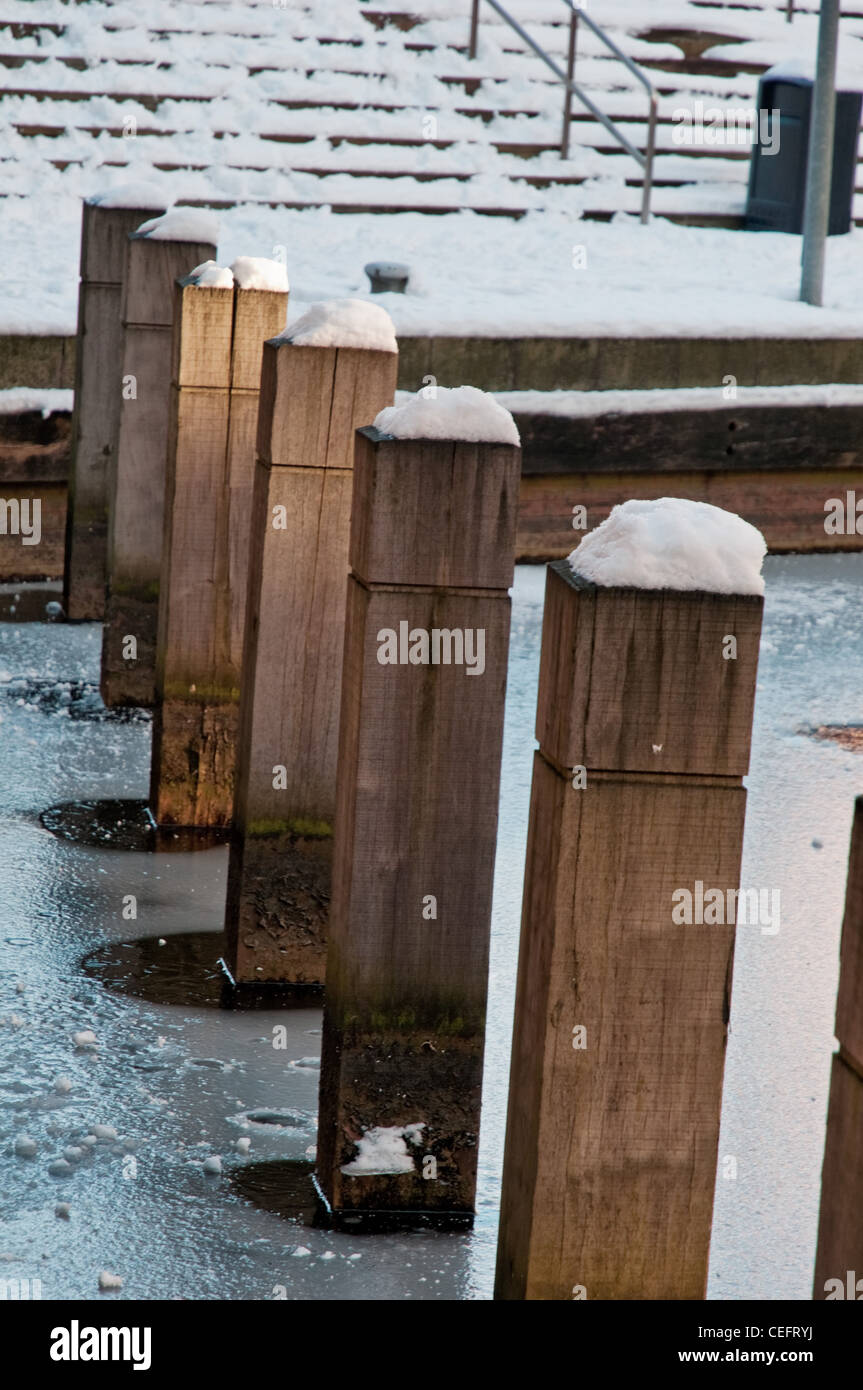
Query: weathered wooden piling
{"points": [[218, 341], [136, 508], [622, 1011], [839, 1258], [105, 231], [432, 545], [312, 401]]}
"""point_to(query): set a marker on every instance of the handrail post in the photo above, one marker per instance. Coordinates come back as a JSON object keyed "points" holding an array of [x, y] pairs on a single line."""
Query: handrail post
{"points": [[474, 29], [567, 92], [789, 13], [568, 79], [647, 187]]}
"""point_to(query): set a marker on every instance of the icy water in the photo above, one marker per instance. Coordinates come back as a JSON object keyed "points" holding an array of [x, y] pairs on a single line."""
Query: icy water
{"points": [[181, 1082]]}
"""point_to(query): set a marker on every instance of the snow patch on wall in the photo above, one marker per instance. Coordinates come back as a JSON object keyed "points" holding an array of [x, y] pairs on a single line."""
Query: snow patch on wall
{"points": [[673, 544], [384, 1150], [18, 399]]}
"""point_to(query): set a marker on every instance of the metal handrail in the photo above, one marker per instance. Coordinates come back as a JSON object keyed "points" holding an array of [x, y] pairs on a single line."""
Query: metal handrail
{"points": [[645, 160]]}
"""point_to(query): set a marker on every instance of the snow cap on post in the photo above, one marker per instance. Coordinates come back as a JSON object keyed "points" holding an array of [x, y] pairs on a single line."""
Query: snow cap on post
{"points": [[210, 276], [260, 273], [344, 323], [130, 195], [453, 454], [182, 224], [673, 543], [458, 413]]}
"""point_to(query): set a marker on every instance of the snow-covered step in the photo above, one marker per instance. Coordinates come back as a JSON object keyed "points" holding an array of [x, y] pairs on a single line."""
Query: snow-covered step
{"points": [[375, 108]]}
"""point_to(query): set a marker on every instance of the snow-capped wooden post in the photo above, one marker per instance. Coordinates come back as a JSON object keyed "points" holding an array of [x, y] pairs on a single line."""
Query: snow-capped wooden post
{"points": [[106, 224], [335, 372], [157, 257], [637, 808], [423, 686], [839, 1259], [219, 333]]}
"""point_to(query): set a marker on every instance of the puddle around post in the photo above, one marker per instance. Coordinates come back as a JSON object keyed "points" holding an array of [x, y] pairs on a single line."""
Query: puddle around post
{"points": [[185, 968], [126, 825]]}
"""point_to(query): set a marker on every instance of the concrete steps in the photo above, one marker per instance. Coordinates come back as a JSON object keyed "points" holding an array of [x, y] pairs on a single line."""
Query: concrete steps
{"points": [[360, 91]]}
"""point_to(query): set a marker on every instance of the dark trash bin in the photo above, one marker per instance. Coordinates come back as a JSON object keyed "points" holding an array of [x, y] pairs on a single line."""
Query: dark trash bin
{"points": [[777, 182]]}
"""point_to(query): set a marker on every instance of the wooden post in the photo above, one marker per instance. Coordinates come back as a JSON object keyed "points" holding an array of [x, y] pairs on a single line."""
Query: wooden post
{"points": [[432, 544], [136, 510], [218, 343], [839, 1259], [312, 401], [98, 354], [621, 1013]]}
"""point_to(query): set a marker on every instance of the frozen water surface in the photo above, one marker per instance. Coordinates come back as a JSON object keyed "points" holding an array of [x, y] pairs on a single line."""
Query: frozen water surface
{"points": [[181, 1083]]}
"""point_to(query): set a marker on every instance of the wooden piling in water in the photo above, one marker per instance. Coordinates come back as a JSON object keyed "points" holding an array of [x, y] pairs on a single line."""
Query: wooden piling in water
{"points": [[218, 341], [621, 1013], [432, 544], [312, 401], [839, 1257], [136, 506], [105, 233]]}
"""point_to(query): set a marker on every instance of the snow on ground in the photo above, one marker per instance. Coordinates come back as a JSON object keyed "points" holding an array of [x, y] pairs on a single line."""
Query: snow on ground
{"points": [[582, 403], [486, 276], [210, 89]]}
